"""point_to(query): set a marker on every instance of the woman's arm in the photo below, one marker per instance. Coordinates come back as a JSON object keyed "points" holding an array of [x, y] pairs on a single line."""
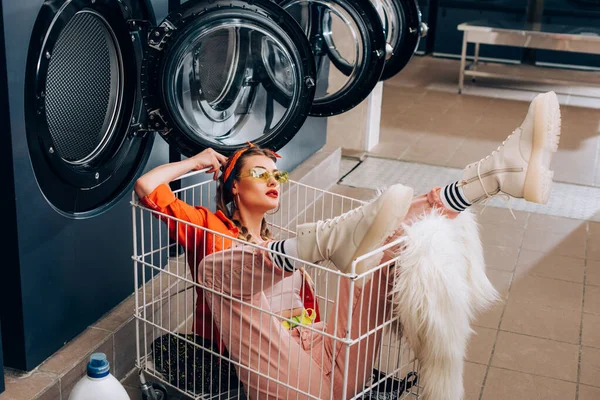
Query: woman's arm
{"points": [[168, 172]]}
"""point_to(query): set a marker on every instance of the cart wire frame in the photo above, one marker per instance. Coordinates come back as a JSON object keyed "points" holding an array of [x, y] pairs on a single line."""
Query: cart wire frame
{"points": [[166, 298]]}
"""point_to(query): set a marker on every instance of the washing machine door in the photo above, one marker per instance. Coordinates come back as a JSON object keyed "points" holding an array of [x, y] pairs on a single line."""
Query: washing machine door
{"points": [[347, 41], [403, 28], [81, 100], [221, 73]]}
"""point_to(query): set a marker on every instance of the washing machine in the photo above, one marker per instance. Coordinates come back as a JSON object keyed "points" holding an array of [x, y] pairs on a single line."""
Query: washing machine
{"points": [[501, 13], [404, 29], [98, 91], [428, 16], [580, 17], [2, 387], [348, 45], [3, 106], [356, 44]]}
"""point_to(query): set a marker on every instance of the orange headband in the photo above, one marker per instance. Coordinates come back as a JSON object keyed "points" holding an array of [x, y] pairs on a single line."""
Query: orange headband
{"points": [[235, 158]]}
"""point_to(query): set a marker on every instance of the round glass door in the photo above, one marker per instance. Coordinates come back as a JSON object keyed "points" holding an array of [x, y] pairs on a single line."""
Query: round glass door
{"points": [[401, 20], [347, 41], [81, 100], [228, 75]]}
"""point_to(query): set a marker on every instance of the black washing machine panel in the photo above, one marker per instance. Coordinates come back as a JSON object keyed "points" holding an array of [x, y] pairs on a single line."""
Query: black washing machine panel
{"points": [[569, 24], [76, 119], [213, 74], [428, 8], [577, 17], [498, 5], [81, 98], [451, 13], [65, 272], [1, 364], [448, 39], [572, 8], [403, 28], [348, 44], [221, 73]]}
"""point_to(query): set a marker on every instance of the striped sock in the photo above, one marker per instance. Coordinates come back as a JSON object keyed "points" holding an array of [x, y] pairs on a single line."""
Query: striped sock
{"points": [[453, 198], [287, 247]]}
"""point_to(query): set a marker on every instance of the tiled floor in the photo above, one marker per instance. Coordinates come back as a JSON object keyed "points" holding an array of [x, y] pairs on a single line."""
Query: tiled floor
{"points": [[542, 341], [423, 111], [566, 200]]}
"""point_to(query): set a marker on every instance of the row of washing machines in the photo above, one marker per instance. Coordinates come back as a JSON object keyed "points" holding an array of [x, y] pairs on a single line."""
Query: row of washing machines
{"points": [[98, 91], [576, 16]]}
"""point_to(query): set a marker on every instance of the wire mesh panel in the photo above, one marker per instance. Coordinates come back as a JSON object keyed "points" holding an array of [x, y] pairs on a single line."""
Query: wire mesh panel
{"points": [[216, 318]]}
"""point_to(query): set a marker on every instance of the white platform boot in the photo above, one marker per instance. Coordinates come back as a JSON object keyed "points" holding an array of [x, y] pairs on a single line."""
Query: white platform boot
{"points": [[357, 232], [520, 167]]}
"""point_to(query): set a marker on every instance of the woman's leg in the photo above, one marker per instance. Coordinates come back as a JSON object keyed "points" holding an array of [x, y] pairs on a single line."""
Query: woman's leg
{"points": [[367, 307], [235, 280], [273, 363], [520, 166]]}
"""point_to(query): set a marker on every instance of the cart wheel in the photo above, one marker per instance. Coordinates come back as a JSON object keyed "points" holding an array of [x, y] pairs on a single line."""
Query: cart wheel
{"points": [[154, 391], [160, 391]]}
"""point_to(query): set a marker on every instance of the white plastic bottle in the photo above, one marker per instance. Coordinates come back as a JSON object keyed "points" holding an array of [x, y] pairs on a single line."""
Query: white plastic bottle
{"points": [[99, 383]]}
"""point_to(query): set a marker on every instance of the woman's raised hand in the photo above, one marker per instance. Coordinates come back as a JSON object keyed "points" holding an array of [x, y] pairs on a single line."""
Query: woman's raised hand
{"points": [[211, 159]]}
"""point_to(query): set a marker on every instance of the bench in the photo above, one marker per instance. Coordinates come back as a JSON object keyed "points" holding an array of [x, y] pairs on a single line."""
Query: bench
{"points": [[534, 36]]}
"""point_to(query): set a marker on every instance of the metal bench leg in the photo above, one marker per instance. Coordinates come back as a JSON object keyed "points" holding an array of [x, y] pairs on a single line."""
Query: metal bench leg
{"points": [[463, 57], [475, 59]]}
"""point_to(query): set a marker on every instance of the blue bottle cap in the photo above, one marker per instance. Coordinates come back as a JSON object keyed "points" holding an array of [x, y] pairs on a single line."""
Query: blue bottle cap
{"points": [[98, 367]]}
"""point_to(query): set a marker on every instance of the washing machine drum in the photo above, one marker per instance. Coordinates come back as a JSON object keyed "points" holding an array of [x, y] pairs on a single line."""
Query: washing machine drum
{"points": [[403, 28], [348, 44], [101, 79], [80, 98], [223, 73]]}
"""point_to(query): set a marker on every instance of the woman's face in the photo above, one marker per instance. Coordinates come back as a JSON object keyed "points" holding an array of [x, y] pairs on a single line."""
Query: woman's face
{"points": [[256, 195]]}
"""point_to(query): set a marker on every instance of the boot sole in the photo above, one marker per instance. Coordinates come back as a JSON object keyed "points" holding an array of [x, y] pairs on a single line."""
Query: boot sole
{"points": [[546, 136], [391, 214]]}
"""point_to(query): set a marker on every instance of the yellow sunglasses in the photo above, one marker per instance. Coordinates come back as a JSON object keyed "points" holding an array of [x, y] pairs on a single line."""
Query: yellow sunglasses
{"points": [[264, 175]]}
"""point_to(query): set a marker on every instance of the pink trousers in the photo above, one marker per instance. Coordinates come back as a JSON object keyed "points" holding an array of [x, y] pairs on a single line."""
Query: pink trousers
{"points": [[274, 363]]}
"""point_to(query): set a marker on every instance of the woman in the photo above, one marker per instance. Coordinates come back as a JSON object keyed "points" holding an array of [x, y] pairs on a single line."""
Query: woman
{"points": [[272, 361]]}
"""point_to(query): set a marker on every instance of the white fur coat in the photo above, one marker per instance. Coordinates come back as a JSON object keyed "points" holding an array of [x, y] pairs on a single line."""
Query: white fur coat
{"points": [[439, 288]]}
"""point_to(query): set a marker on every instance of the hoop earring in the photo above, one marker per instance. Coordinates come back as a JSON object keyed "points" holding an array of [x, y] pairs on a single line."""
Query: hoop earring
{"points": [[276, 211]]}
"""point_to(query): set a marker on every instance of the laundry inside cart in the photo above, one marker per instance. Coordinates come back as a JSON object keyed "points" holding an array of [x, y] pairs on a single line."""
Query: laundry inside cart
{"points": [[190, 363], [258, 348]]}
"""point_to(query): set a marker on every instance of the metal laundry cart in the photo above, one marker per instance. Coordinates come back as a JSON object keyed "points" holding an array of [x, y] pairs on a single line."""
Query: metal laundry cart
{"points": [[166, 294]]}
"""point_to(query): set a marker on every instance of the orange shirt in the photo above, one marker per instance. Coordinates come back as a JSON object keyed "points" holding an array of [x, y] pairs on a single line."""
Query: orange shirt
{"points": [[198, 245]]}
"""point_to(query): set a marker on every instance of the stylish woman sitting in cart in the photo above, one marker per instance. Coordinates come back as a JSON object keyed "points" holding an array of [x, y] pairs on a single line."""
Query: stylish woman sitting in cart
{"points": [[272, 360]]}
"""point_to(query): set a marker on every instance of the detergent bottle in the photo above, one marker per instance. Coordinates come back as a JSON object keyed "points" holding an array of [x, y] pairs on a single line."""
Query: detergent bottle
{"points": [[98, 383]]}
